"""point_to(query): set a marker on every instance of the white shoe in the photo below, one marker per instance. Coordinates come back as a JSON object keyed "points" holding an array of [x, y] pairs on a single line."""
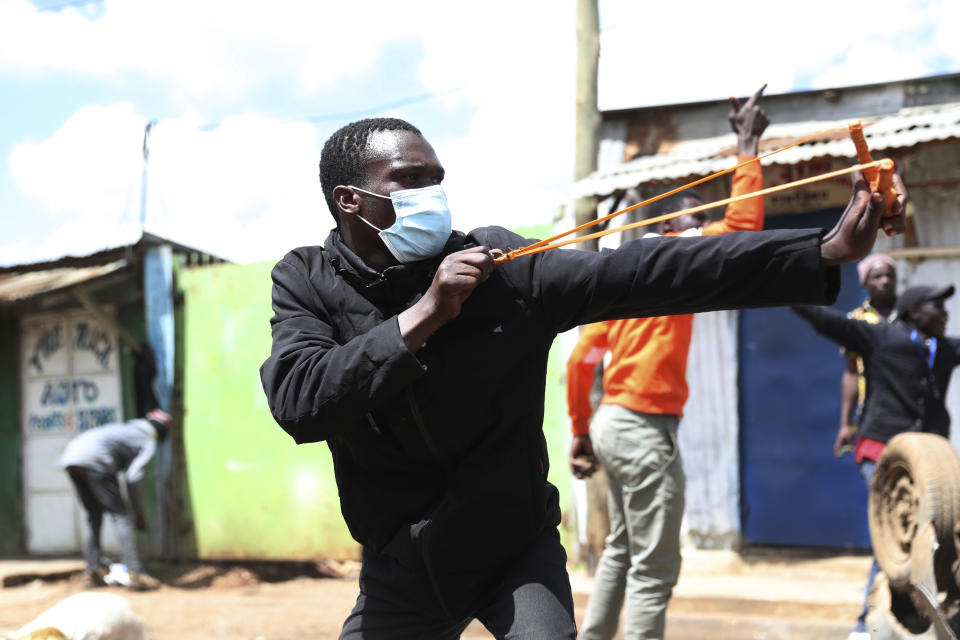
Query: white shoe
{"points": [[858, 635], [119, 575]]}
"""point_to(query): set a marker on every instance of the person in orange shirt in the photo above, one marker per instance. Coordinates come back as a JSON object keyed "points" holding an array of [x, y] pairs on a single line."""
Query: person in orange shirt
{"points": [[634, 431]]}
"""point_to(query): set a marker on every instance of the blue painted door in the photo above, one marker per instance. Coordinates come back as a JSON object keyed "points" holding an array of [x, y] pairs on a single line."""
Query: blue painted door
{"points": [[793, 491]]}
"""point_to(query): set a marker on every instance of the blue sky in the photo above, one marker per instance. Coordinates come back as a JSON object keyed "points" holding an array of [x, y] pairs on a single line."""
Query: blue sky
{"points": [[244, 93]]}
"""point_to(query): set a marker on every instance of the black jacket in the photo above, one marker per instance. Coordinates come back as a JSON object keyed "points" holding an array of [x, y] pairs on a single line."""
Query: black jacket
{"points": [[441, 456], [903, 393]]}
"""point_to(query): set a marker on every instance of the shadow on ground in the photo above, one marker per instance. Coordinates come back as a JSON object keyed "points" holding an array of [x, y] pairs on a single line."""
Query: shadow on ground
{"points": [[200, 575]]}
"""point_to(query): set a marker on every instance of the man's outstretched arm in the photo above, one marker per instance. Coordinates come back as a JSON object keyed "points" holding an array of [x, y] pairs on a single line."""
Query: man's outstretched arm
{"points": [[668, 276], [854, 335]]}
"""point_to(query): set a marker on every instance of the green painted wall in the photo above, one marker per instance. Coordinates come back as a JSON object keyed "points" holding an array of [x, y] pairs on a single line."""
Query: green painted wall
{"points": [[252, 492], [11, 538], [130, 317]]}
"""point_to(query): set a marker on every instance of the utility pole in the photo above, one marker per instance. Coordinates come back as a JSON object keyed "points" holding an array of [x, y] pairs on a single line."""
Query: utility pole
{"points": [[586, 146], [587, 135], [158, 311]]}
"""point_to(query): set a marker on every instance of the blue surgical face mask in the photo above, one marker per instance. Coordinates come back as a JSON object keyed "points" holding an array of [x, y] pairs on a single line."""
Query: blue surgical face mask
{"points": [[423, 223]]}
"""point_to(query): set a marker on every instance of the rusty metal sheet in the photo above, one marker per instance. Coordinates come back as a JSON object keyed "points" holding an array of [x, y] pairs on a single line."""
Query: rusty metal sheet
{"points": [[20, 286]]}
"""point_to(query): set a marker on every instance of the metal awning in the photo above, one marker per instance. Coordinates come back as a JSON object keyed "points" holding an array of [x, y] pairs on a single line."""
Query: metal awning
{"points": [[694, 158], [15, 287]]}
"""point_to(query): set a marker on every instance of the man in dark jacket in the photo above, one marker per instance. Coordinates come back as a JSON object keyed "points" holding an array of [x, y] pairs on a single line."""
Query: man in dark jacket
{"points": [[907, 363], [423, 368]]}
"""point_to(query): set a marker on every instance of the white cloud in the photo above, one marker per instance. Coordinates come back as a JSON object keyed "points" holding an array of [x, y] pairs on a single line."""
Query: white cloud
{"points": [[945, 19], [204, 49], [512, 61], [246, 189], [90, 164], [868, 62], [685, 51], [514, 165]]}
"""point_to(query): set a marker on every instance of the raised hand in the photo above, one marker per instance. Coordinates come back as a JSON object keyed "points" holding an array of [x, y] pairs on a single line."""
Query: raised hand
{"points": [[748, 121]]}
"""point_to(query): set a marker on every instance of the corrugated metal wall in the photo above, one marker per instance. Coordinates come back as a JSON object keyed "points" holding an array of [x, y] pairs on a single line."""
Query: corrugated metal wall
{"points": [[709, 432], [932, 173]]}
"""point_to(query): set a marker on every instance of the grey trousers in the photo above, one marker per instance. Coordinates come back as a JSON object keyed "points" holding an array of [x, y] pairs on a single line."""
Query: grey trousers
{"points": [[641, 560], [99, 493]]}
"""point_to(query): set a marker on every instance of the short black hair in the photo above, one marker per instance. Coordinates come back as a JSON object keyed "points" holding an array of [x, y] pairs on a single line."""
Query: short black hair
{"points": [[671, 203], [344, 154]]}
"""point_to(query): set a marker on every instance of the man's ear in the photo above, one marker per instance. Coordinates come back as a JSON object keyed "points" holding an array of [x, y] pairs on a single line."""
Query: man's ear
{"points": [[347, 199]]}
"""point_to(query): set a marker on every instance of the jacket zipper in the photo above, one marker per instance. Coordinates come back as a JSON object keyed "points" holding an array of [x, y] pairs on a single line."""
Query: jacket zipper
{"points": [[422, 427]]}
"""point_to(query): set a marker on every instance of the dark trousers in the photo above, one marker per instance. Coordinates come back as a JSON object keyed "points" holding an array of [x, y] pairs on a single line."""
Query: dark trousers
{"points": [[99, 493], [533, 601]]}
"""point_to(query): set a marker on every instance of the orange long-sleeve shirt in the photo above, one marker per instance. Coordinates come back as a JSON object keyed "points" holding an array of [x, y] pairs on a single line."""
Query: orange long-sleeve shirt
{"points": [[648, 364]]}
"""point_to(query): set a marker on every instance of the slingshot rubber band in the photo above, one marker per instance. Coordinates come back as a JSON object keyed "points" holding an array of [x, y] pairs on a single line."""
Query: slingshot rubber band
{"points": [[878, 165], [689, 185], [879, 174]]}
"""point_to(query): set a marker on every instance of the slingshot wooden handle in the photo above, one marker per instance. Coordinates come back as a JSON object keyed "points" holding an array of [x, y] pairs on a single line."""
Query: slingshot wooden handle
{"points": [[880, 178]]}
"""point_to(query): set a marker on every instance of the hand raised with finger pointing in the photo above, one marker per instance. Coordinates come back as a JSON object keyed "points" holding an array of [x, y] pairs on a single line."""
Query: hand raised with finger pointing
{"points": [[748, 121], [748, 117]]}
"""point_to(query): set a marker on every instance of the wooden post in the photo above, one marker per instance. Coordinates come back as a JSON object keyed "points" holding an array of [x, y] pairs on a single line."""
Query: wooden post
{"points": [[587, 133], [587, 144]]}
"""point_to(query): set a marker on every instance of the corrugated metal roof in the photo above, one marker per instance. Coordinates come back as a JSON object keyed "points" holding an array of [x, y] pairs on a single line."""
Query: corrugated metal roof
{"points": [[60, 247], [701, 157], [20, 286], [41, 257]]}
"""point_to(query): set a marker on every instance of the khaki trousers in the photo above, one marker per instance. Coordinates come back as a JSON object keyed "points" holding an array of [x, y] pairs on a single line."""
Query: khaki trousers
{"points": [[641, 560]]}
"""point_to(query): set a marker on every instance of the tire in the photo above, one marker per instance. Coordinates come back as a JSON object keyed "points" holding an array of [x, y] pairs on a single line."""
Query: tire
{"points": [[893, 617], [917, 480]]}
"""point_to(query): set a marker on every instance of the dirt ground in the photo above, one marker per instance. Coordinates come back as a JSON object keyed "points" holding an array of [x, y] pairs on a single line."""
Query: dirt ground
{"points": [[251, 602], [720, 596]]}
